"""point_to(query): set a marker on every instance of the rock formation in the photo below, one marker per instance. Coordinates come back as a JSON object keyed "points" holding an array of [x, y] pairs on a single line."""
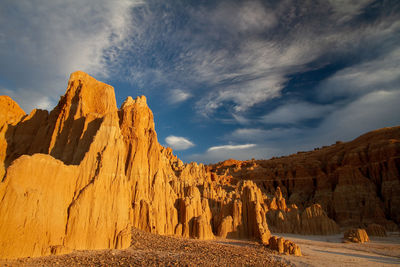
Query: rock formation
{"points": [[65, 186], [284, 246], [313, 220], [356, 183], [81, 176], [356, 236]]}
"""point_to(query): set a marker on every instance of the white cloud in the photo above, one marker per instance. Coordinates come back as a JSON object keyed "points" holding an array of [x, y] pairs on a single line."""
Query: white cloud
{"points": [[178, 142], [239, 152], [178, 96], [242, 17], [234, 60], [373, 111], [261, 135], [230, 147], [296, 112], [260, 67], [377, 74], [347, 9], [28, 99], [49, 39]]}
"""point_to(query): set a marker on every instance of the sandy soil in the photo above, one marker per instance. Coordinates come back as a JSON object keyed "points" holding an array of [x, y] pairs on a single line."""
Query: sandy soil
{"points": [[330, 251], [153, 250]]}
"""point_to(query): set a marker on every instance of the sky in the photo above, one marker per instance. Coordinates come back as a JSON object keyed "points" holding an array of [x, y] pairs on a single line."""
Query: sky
{"points": [[224, 79]]}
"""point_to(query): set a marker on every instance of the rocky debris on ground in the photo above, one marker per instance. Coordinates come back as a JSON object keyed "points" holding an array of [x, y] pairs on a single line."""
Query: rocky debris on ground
{"points": [[154, 250], [356, 236], [284, 246]]}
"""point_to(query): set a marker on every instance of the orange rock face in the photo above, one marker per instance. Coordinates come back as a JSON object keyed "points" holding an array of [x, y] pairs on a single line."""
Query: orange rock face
{"points": [[65, 186], [10, 114]]}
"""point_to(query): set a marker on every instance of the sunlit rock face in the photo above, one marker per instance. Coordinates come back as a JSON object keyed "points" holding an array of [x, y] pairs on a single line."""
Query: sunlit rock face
{"points": [[65, 185]]}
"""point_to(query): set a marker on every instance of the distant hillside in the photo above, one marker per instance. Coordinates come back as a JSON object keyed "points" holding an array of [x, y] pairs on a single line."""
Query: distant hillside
{"points": [[356, 182]]}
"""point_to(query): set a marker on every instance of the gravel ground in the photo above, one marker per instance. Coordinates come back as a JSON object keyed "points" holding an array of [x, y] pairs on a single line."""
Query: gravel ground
{"points": [[330, 251], [154, 250]]}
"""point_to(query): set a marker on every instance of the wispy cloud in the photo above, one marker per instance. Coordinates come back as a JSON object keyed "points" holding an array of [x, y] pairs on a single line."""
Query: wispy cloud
{"points": [[372, 111], [178, 142], [296, 112], [178, 96], [240, 152], [345, 10], [382, 73], [242, 62], [262, 135], [231, 147], [28, 99]]}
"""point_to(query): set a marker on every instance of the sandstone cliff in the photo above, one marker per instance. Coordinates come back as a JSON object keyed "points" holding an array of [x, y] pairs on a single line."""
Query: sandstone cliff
{"points": [[65, 186]]}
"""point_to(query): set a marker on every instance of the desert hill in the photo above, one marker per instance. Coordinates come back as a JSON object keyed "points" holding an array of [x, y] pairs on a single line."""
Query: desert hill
{"points": [[357, 183], [81, 176]]}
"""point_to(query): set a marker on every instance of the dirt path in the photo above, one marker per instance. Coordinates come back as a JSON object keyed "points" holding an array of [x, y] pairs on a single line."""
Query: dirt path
{"points": [[154, 250], [330, 251]]}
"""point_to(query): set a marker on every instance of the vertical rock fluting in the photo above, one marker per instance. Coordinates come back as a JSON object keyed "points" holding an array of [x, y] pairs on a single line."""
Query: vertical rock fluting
{"points": [[10, 114], [74, 194]]}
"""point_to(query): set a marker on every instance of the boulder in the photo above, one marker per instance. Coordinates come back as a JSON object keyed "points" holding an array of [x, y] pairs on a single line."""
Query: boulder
{"points": [[284, 246], [356, 236]]}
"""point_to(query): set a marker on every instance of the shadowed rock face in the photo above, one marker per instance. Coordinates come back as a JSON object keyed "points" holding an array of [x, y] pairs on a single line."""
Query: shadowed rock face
{"points": [[356, 183]]}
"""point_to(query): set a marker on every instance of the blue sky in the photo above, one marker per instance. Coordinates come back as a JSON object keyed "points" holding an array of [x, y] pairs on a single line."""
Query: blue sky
{"points": [[225, 79]]}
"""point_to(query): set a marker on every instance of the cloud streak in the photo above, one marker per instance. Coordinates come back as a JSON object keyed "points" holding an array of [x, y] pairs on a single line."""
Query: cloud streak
{"points": [[292, 113], [177, 96], [230, 147], [178, 142]]}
